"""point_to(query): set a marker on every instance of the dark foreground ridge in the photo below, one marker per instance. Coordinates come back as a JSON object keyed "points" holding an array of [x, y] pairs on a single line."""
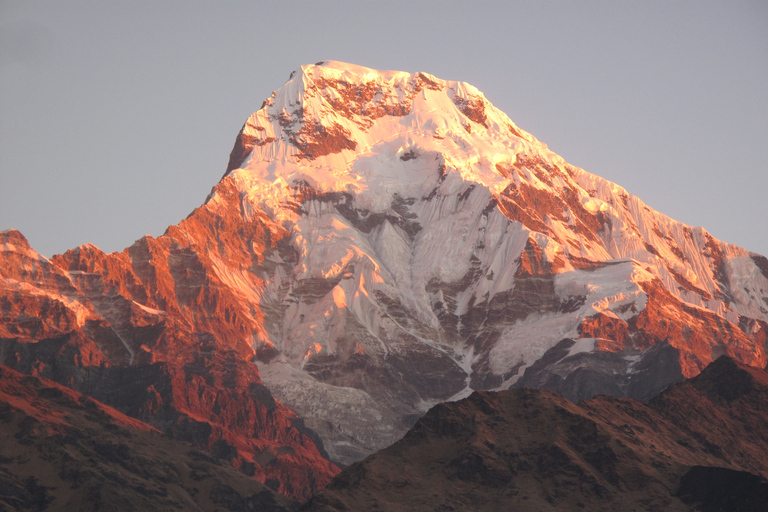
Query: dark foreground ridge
{"points": [[700, 445], [60, 450], [383, 242], [697, 446]]}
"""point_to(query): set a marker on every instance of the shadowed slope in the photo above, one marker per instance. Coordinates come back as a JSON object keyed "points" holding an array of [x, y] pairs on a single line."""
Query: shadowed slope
{"points": [[60, 450], [530, 450]]}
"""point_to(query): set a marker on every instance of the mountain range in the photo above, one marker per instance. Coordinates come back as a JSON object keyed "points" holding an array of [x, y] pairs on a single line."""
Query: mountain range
{"points": [[382, 242]]}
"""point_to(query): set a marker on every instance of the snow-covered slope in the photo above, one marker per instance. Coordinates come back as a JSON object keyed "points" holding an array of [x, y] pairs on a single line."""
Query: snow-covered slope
{"points": [[382, 241], [436, 248]]}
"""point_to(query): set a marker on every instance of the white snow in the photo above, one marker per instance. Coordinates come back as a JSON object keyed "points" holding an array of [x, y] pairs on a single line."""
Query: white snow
{"points": [[429, 179], [151, 311], [412, 227], [582, 345], [444, 166]]}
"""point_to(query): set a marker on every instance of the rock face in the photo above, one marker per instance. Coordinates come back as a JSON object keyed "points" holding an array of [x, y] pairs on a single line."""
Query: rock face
{"points": [[435, 248], [698, 446], [60, 450], [78, 323], [380, 242]]}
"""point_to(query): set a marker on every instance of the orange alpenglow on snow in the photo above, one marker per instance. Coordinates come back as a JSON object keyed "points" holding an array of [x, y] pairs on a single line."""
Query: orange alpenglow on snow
{"points": [[426, 244]]}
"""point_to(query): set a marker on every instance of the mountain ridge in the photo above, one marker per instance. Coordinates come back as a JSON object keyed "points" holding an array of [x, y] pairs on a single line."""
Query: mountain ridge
{"points": [[446, 160], [61, 450], [381, 242], [694, 447]]}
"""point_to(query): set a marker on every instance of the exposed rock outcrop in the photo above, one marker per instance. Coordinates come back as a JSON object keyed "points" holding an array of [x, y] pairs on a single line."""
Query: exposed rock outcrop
{"points": [[383, 241], [146, 332], [60, 450]]}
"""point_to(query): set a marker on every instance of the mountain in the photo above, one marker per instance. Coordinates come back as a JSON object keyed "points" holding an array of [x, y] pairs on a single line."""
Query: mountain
{"points": [[84, 329], [60, 450], [380, 242], [700, 445]]}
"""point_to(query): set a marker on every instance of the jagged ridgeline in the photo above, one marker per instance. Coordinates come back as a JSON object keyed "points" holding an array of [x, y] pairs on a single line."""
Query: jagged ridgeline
{"points": [[381, 242]]}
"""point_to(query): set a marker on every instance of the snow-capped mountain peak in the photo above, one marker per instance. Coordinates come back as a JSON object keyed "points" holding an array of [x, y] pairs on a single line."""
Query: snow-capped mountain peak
{"points": [[382, 241], [332, 124], [425, 226]]}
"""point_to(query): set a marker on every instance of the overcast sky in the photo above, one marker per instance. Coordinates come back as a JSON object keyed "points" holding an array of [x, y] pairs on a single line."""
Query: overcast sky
{"points": [[117, 118]]}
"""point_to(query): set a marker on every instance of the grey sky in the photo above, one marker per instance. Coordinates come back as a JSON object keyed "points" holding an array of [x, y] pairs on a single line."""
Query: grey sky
{"points": [[117, 118]]}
